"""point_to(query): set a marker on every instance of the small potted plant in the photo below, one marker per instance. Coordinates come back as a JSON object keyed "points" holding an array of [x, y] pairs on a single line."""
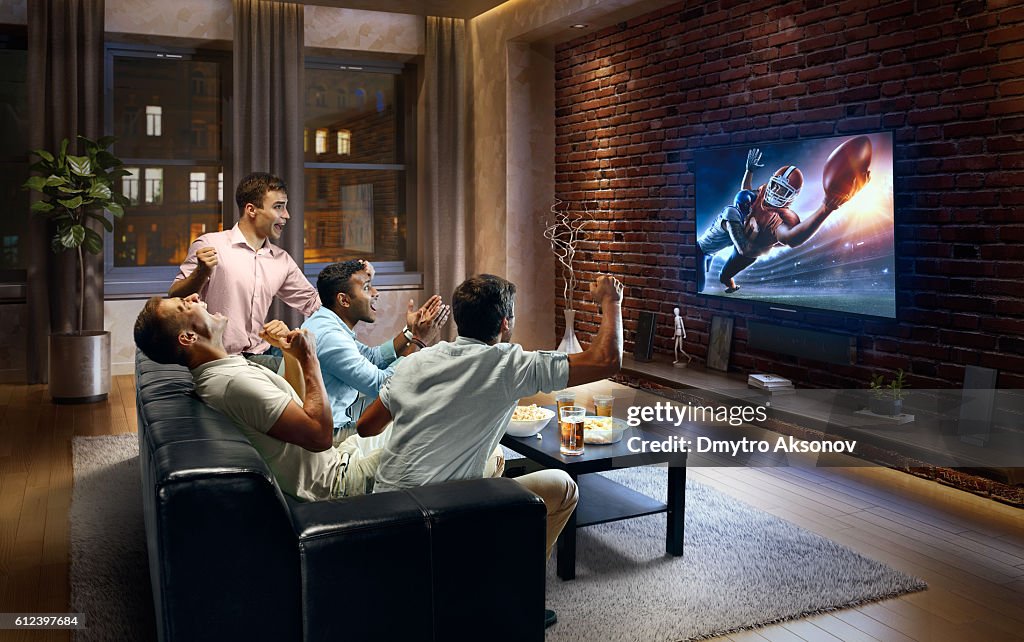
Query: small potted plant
{"points": [[887, 398], [75, 189]]}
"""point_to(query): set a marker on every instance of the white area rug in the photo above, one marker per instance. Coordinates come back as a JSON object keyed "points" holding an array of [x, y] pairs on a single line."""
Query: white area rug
{"points": [[741, 567]]}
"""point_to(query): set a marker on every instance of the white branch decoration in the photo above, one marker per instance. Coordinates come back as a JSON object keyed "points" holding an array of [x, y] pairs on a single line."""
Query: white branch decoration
{"points": [[564, 233]]}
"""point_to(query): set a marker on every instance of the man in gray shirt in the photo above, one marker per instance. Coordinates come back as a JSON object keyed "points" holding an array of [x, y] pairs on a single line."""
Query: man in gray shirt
{"points": [[452, 402], [287, 419]]}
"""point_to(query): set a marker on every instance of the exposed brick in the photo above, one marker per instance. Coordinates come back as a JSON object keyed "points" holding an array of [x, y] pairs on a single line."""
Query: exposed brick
{"points": [[634, 102]]}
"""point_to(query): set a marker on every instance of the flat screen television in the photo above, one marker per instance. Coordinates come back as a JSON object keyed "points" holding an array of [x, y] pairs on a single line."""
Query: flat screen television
{"points": [[776, 236]]}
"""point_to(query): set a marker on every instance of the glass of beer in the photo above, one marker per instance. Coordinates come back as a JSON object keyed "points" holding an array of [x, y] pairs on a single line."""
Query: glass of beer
{"points": [[564, 399], [603, 405], [571, 428]]}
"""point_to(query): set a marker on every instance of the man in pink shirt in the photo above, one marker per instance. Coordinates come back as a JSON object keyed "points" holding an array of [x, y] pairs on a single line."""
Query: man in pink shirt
{"points": [[239, 271]]}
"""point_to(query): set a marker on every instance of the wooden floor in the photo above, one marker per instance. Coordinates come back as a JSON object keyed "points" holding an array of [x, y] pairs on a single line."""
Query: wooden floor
{"points": [[970, 550]]}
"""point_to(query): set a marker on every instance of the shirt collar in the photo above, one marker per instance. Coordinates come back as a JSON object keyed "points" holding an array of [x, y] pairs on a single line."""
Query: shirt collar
{"points": [[461, 340], [330, 317], [236, 359], [237, 238]]}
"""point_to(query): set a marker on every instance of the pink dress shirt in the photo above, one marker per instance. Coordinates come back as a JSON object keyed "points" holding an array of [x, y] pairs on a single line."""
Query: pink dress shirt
{"points": [[244, 283]]}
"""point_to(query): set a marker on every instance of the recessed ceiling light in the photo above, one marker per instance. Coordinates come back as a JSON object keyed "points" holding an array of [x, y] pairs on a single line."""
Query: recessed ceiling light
{"points": [[578, 25]]}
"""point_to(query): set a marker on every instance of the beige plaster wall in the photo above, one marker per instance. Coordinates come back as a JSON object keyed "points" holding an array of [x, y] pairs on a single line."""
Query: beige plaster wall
{"points": [[373, 31], [13, 12], [513, 144], [199, 19]]}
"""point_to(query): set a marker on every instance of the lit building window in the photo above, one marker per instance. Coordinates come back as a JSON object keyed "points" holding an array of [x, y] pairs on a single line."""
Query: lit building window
{"points": [[305, 140], [197, 187], [321, 141], [220, 187], [344, 142], [154, 114], [130, 185], [154, 187]]}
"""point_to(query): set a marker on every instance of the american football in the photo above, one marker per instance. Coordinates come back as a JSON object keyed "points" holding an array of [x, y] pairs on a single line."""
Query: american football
{"points": [[846, 169]]}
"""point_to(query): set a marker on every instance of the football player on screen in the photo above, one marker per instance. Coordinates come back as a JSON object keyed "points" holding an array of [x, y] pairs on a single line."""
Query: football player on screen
{"points": [[727, 230], [771, 222]]}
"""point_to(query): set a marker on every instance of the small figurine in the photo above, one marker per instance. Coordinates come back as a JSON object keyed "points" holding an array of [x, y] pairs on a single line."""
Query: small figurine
{"points": [[680, 334]]}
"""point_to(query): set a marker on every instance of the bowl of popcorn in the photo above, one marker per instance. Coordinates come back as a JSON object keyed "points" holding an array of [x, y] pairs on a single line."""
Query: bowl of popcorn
{"points": [[527, 421], [603, 430]]}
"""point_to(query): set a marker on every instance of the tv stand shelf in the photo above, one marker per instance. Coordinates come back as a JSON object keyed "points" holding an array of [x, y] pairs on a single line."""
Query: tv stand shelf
{"points": [[835, 412]]}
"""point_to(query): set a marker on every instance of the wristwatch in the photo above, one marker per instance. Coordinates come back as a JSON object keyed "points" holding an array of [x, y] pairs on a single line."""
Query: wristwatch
{"points": [[411, 338]]}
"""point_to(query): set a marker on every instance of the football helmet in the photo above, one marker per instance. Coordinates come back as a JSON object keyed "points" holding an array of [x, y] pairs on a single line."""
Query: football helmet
{"points": [[783, 186], [744, 199]]}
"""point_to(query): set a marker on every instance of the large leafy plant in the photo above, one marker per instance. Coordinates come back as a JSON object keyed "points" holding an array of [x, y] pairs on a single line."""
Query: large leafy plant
{"points": [[75, 189]]}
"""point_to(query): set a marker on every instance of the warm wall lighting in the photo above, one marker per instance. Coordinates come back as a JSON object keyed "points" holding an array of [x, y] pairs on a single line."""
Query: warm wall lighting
{"points": [[579, 25]]}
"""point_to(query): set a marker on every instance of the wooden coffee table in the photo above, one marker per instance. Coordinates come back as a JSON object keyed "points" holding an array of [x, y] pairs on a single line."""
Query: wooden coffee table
{"points": [[601, 499]]}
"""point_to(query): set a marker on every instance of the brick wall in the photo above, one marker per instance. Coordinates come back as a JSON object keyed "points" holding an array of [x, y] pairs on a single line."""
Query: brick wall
{"points": [[635, 100]]}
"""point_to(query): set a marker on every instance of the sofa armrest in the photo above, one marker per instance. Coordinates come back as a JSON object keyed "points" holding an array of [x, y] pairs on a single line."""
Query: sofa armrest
{"points": [[439, 552]]}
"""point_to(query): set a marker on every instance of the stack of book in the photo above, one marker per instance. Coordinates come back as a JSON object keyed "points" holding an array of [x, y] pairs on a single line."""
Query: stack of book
{"points": [[773, 384]]}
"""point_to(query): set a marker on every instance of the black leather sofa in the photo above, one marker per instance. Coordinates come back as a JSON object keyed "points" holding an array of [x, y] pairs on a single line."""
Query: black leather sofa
{"points": [[232, 558]]}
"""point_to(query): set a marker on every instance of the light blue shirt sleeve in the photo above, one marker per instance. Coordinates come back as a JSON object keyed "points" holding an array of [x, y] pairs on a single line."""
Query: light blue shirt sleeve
{"points": [[341, 356], [534, 372], [381, 356]]}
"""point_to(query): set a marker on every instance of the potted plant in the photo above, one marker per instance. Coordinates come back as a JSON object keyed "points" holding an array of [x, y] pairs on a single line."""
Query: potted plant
{"points": [[75, 189], [887, 398]]}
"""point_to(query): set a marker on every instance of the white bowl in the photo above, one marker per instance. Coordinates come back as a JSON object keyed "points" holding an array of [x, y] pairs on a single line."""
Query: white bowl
{"points": [[529, 428], [610, 436]]}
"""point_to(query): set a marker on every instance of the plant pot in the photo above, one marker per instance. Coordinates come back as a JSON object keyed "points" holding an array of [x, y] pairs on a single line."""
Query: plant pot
{"points": [[569, 344], [79, 367], [886, 406]]}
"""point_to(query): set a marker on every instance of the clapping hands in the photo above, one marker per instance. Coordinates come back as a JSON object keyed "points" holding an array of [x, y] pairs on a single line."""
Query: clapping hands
{"points": [[427, 321]]}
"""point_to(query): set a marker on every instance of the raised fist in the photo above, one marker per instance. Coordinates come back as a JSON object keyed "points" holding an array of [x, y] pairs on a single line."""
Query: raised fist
{"points": [[606, 288]]}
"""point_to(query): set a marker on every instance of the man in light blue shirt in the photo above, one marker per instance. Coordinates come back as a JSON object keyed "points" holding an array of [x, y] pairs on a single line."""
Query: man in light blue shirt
{"points": [[350, 367]]}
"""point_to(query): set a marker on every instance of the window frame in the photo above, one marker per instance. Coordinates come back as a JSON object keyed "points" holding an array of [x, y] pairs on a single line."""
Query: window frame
{"points": [[389, 275], [121, 282], [13, 281]]}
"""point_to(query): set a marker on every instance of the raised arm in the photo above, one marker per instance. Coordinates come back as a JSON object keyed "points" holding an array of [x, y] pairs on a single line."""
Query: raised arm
{"points": [[604, 356], [310, 425], [744, 244], [197, 270], [753, 161]]}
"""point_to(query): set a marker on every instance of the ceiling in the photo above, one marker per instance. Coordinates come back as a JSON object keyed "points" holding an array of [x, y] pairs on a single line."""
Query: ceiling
{"points": [[447, 8]]}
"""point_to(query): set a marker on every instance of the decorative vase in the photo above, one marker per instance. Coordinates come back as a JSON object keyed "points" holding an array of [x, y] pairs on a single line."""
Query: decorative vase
{"points": [[569, 344]]}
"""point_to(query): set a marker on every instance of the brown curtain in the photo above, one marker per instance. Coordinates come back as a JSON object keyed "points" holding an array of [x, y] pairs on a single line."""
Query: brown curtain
{"points": [[445, 231], [65, 63], [269, 87]]}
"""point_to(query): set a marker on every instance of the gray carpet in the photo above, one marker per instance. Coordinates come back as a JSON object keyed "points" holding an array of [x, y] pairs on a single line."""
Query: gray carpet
{"points": [[742, 567]]}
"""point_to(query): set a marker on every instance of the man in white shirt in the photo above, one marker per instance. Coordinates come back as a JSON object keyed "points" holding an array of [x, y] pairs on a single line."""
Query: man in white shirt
{"points": [[287, 419], [452, 402]]}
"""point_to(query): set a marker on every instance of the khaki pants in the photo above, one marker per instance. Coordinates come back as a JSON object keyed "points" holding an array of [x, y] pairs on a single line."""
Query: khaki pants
{"points": [[555, 487], [358, 470]]}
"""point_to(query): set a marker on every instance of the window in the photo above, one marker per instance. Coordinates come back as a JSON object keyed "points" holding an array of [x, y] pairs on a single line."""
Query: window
{"points": [[154, 115], [356, 187], [197, 187], [183, 96], [14, 117], [154, 185], [130, 185]]}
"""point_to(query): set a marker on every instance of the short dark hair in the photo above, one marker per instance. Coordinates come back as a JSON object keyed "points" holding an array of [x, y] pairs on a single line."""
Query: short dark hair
{"points": [[480, 303], [336, 278], [157, 336], [254, 187]]}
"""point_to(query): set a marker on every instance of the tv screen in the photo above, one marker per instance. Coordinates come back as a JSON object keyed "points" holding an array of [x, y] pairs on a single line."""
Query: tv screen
{"points": [[803, 223]]}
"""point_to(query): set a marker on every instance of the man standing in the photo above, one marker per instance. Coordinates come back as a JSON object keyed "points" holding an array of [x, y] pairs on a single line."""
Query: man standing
{"points": [[350, 367], [288, 420], [452, 402], [239, 271]]}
